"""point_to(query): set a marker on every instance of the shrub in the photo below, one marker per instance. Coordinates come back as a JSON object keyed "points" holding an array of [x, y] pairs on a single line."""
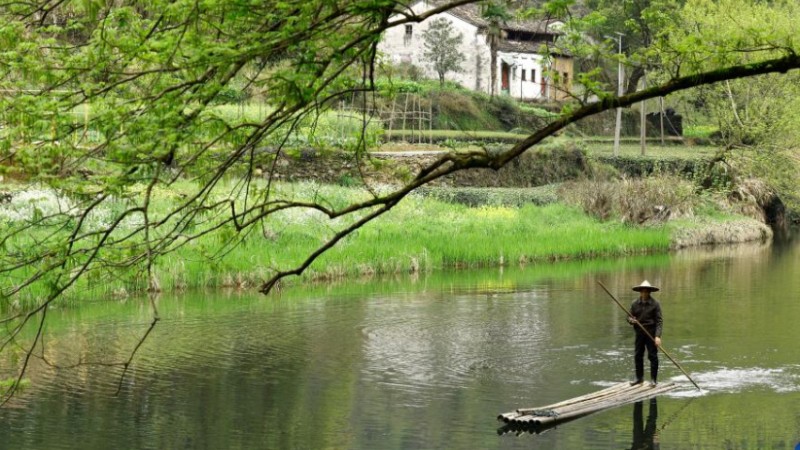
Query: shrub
{"points": [[339, 129], [459, 111], [348, 180], [538, 112], [551, 162], [642, 166], [472, 196], [389, 88], [402, 71], [636, 201], [231, 94], [505, 109]]}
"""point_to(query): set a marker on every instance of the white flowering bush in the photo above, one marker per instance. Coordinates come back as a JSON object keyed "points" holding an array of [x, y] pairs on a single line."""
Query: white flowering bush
{"points": [[42, 203], [34, 203]]}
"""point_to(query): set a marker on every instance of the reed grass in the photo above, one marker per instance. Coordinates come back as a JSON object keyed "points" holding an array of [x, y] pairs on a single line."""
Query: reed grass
{"points": [[420, 234]]}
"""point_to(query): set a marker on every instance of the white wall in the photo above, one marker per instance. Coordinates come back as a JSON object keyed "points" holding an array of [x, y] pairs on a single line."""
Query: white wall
{"points": [[532, 64], [475, 75]]}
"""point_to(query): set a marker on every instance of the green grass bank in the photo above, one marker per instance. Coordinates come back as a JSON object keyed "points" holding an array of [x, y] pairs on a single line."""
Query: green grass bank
{"points": [[420, 234], [423, 233]]}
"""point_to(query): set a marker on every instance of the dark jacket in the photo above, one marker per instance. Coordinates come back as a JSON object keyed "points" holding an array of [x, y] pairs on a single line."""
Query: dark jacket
{"points": [[648, 314]]}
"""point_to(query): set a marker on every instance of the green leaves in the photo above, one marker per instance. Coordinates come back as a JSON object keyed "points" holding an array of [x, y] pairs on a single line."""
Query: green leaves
{"points": [[727, 32]]}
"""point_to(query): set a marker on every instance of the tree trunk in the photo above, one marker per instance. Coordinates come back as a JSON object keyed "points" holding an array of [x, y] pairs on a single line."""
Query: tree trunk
{"points": [[633, 80]]}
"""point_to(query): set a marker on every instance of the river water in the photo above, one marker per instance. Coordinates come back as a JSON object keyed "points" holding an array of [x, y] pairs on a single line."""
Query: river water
{"points": [[427, 362]]}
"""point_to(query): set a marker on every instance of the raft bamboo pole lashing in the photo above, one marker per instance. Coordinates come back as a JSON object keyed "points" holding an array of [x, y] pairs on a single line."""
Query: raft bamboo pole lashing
{"points": [[617, 398], [615, 390], [621, 398], [644, 330], [616, 395], [642, 395], [602, 393]]}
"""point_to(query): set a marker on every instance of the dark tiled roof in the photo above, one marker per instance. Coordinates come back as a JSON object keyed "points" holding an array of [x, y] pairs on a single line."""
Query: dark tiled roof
{"points": [[520, 47], [472, 14], [530, 47]]}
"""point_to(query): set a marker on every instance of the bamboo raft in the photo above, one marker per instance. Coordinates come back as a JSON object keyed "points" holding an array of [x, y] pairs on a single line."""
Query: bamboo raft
{"points": [[616, 395]]}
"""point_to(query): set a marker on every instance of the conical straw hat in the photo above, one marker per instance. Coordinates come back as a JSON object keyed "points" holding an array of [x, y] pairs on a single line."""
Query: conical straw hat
{"points": [[645, 285]]}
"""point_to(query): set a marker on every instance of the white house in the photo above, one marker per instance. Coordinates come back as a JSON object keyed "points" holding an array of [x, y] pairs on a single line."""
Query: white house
{"points": [[522, 70]]}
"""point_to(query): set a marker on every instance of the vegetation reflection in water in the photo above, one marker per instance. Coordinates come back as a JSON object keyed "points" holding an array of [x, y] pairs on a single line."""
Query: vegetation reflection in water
{"points": [[425, 362]]}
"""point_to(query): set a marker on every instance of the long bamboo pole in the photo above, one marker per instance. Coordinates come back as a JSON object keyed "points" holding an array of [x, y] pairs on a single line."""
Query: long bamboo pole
{"points": [[648, 334]]}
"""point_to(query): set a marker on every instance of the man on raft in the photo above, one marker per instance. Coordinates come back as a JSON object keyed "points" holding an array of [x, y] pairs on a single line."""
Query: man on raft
{"points": [[646, 311]]}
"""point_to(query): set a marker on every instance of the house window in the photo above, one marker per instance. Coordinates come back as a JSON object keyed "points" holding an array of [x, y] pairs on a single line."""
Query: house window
{"points": [[533, 75], [523, 75], [566, 79], [409, 34]]}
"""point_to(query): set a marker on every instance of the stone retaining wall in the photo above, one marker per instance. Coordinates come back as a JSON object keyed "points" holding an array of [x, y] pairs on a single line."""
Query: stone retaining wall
{"points": [[530, 170]]}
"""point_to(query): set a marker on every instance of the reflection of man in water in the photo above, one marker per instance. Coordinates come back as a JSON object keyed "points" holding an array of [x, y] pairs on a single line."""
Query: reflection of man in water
{"points": [[645, 437]]}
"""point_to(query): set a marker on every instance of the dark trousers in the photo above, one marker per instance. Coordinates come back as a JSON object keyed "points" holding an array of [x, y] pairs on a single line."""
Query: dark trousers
{"points": [[642, 342]]}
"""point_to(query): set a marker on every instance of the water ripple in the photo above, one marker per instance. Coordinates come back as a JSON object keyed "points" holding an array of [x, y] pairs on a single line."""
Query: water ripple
{"points": [[736, 380]]}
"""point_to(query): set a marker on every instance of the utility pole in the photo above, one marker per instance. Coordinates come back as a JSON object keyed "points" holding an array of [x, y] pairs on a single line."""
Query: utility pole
{"points": [[661, 115], [643, 117], [620, 77]]}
